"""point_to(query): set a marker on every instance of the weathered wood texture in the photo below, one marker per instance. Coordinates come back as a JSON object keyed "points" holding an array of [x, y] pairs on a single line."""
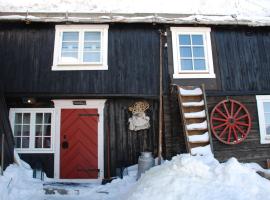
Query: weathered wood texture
{"points": [[6, 130], [46, 161], [122, 145], [242, 58], [26, 53], [250, 150]]}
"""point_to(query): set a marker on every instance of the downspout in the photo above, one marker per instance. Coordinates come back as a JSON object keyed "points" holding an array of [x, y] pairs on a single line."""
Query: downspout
{"points": [[160, 132]]}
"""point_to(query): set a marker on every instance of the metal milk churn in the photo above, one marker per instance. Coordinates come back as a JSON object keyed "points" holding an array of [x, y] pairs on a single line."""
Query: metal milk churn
{"points": [[145, 162]]}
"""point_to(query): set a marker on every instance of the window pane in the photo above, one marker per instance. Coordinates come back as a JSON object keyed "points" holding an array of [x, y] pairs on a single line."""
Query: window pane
{"points": [[266, 106], [69, 56], [184, 40], [267, 127], [198, 52], [91, 46], [25, 142], [47, 130], [39, 118], [199, 64], [17, 130], [26, 130], [70, 36], [38, 130], [267, 118], [197, 39], [91, 57], [26, 118], [186, 64], [47, 142], [92, 36], [18, 118], [185, 52], [47, 118], [38, 142], [17, 142], [70, 46]]}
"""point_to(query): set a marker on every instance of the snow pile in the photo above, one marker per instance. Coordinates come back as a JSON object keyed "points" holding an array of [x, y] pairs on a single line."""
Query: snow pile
{"points": [[199, 103], [200, 114], [201, 178], [199, 138], [202, 151], [197, 126]]}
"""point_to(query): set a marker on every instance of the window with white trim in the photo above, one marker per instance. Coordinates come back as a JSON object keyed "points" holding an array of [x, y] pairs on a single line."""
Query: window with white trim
{"points": [[80, 47], [192, 53], [263, 105], [33, 129]]}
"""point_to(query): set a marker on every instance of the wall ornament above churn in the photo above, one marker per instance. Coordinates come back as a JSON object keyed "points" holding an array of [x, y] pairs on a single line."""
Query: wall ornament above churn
{"points": [[139, 120]]}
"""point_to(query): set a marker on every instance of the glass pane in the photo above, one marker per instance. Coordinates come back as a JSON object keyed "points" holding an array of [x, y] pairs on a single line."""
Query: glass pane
{"points": [[198, 52], [186, 64], [39, 118], [26, 118], [70, 36], [18, 118], [17, 142], [91, 57], [197, 39], [38, 130], [17, 130], [267, 118], [92, 36], [267, 127], [185, 52], [69, 56], [47, 118], [47, 130], [47, 142], [199, 64], [38, 142], [25, 142], [184, 40], [26, 130], [91, 46], [70, 46], [266, 106]]}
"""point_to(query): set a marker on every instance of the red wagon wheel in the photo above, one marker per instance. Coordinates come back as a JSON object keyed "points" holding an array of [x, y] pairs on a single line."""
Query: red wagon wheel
{"points": [[230, 121]]}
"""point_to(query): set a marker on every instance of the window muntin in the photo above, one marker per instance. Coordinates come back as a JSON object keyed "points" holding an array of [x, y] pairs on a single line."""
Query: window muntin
{"points": [[81, 47], [33, 129], [192, 54], [263, 105]]}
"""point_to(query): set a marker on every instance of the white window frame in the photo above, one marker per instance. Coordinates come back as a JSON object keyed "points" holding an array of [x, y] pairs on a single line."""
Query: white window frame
{"points": [[205, 32], [264, 139], [32, 112], [59, 29]]}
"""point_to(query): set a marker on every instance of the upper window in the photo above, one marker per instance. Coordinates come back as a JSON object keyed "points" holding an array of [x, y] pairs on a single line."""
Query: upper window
{"points": [[192, 54], [32, 129], [263, 105], [80, 47]]}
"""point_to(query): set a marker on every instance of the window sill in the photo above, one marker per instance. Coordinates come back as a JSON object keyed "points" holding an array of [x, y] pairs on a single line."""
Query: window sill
{"points": [[78, 67], [265, 140], [187, 76], [30, 151]]}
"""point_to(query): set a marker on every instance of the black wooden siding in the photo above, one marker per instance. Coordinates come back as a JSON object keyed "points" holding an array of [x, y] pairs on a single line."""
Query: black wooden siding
{"points": [[26, 53]]}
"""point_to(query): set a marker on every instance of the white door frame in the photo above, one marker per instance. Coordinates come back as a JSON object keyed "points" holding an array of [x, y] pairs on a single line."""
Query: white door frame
{"points": [[68, 104]]}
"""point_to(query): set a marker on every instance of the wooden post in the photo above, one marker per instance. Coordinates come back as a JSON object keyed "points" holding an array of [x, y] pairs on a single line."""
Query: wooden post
{"points": [[2, 154], [160, 98]]}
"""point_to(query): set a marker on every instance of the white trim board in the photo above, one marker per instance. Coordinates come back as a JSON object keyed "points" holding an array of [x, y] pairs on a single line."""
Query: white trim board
{"points": [[65, 104]]}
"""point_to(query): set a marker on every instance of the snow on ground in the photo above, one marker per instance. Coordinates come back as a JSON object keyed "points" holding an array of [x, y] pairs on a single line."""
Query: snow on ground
{"points": [[185, 177]]}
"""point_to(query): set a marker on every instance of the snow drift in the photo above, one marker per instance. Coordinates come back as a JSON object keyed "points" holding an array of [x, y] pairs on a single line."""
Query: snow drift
{"points": [[198, 177]]}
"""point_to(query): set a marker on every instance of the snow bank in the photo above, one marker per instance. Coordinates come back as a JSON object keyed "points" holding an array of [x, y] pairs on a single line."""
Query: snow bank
{"points": [[202, 151], [201, 178]]}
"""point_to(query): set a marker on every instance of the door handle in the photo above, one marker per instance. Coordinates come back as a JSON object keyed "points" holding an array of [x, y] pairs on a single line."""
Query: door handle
{"points": [[65, 143]]}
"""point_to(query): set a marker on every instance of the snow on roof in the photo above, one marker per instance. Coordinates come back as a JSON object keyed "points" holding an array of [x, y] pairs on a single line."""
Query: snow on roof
{"points": [[249, 12]]}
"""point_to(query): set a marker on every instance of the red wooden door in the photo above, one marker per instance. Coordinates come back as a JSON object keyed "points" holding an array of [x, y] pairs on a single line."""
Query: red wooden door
{"points": [[79, 144]]}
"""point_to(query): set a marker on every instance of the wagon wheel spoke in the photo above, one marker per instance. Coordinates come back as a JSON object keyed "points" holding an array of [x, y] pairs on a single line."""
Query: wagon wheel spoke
{"points": [[219, 119], [224, 131], [235, 134], [237, 119], [232, 108], [237, 112], [229, 134], [242, 124], [219, 126], [221, 113], [240, 130], [226, 109]]}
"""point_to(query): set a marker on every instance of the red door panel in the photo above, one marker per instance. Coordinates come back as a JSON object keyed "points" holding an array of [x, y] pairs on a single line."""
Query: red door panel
{"points": [[79, 144]]}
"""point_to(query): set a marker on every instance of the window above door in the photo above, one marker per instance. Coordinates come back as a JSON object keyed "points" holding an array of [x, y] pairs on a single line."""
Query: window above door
{"points": [[192, 53], [80, 47]]}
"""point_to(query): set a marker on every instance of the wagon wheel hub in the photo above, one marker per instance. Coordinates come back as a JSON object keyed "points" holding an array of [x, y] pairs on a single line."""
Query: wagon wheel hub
{"points": [[230, 121]]}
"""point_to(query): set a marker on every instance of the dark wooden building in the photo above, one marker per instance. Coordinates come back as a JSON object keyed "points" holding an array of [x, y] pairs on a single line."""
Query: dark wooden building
{"points": [[73, 88]]}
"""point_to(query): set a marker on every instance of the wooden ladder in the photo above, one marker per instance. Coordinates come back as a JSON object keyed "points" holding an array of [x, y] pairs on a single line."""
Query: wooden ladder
{"points": [[194, 112]]}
